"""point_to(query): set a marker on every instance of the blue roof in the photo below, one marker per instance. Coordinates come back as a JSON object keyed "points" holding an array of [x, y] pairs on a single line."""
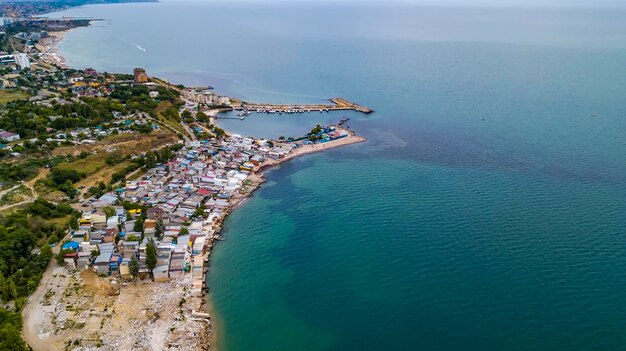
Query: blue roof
{"points": [[70, 245]]}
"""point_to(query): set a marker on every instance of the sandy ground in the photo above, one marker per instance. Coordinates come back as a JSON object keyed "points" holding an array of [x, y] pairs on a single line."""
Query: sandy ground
{"points": [[26, 198], [48, 48], [307, 149], [83, 311]]}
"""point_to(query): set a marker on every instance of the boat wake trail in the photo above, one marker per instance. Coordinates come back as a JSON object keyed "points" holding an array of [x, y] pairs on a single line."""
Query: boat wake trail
{"points": [[139, 47]]}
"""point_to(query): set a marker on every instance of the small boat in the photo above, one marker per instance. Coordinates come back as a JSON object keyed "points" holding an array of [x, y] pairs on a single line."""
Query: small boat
{"points": [[244, 113]]}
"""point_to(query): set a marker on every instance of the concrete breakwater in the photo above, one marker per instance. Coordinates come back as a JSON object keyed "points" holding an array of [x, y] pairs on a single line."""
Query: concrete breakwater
{"points": [[338, 104]]}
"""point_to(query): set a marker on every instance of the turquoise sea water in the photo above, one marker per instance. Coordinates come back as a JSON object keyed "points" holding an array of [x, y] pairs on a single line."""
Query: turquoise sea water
{"points": [[485, 212]]}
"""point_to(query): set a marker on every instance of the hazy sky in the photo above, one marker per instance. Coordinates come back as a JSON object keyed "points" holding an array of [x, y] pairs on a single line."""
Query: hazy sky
{"points": [[472, 3]]}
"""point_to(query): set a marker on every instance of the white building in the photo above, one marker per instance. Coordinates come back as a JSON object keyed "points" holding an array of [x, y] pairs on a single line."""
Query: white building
{"points": [[8, 136], [22, 61]]}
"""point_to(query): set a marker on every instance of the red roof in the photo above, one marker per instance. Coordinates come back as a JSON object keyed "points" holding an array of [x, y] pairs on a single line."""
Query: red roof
{"points": [[204, 192]]}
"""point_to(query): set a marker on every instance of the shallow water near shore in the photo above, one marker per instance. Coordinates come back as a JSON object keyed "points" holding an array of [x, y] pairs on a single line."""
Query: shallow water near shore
{"points": [[486, 210]]}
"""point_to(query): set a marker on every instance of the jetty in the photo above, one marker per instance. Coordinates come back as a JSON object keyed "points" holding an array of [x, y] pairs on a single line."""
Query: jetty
{"points": [[338, 104]]}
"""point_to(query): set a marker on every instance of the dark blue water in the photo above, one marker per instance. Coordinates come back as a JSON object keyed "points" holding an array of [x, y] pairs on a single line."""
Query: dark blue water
{"points": [[485, 212]]}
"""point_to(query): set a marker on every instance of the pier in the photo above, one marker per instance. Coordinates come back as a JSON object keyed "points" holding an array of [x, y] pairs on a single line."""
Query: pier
{"points": [[338, 104]]}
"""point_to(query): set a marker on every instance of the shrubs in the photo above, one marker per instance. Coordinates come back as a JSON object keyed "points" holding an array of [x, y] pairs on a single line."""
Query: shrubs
{"points": [[64, 179], [61, 175], [47, 210], [10, 328]]}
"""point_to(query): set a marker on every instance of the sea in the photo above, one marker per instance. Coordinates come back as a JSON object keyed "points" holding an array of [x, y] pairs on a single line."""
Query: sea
{"points": [[487, 209]]}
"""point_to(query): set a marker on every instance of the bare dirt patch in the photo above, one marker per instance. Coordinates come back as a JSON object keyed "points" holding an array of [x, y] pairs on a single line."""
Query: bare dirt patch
{"points": [[83, 311]]}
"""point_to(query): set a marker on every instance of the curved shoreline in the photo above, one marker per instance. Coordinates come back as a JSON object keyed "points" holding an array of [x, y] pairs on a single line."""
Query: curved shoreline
{"points": [[257, 178]]}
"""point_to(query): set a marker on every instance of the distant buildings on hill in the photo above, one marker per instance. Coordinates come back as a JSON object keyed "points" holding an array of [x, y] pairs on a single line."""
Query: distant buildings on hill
{"points": [[140, 76], [206, 97]]}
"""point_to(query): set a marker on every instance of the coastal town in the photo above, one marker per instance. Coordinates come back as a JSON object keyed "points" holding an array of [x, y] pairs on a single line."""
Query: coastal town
{"points": [[136, 178]]}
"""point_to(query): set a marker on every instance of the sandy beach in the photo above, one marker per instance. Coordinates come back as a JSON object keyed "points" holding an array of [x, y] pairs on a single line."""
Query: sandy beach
{"points": [[308, 149], [49, 51]]}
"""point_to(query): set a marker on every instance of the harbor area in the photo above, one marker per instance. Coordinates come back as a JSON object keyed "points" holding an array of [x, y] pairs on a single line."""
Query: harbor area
{"points": [[338, 104], [206, 97]]}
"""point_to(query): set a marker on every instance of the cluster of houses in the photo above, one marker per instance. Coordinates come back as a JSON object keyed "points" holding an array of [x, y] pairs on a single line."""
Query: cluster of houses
{"points": [[79, 136], [87, 135], [186, 200], [83, 83], [32, 36]]}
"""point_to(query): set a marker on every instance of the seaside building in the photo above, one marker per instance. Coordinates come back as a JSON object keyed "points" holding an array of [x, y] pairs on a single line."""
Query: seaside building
{"points": [[206, 97], [140, 76]]}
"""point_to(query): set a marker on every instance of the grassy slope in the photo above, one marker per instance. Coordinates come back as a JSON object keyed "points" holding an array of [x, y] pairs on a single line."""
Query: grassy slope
{"points": [[9, 95]]}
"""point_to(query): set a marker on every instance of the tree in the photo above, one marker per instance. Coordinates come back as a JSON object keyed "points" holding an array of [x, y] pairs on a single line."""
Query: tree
{"points": [[10, 325], [316, 130], [199, 212], [10, 289], [132, 237], [109, 211], [60, 257], [2, 286], [151, 255], [133, 266], [138, 227], [150, 159], [159, 229], [201, 117]]}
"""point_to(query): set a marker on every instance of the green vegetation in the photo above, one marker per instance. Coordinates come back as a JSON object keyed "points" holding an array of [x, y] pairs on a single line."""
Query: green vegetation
{"points": [[201, 117], [167, 113], [24, 256], [9, 95], [10, 172], [136, 98], [63, 179], [109, 211], [10, 331], [219, 132], [16, 195], [138, 225], [316, 130], [199, 212], [42, 121], [30, 120], [133, 266], [151, 255]]}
